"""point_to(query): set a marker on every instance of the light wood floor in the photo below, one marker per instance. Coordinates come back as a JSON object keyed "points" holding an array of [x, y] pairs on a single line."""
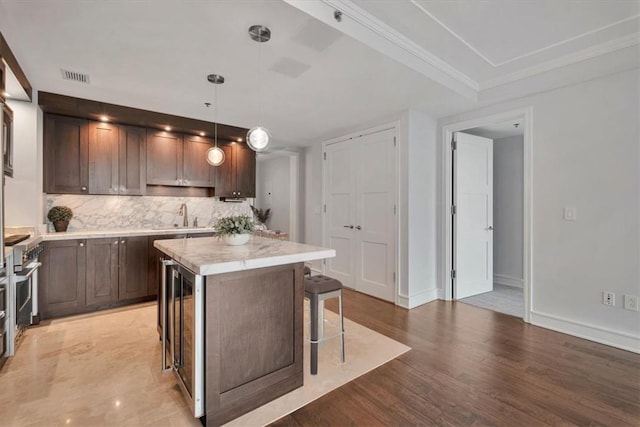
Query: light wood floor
{"points": [[471, 366]]}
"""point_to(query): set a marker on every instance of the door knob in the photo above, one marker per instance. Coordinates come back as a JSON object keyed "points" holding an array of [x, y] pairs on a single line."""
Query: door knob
{"points": [[490, 228], [358, 227], [348, 226]]}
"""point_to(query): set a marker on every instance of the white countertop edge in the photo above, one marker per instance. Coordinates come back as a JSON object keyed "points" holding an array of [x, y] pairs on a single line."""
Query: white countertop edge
{"points": [[240, 265], [125, 232]]}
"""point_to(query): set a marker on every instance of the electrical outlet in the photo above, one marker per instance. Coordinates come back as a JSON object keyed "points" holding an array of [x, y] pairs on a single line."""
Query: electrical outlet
{"points": [[569, 214], [631, 303], [608, 298]]}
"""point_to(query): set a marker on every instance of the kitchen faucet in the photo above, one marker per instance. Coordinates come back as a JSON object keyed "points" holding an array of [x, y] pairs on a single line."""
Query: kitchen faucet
{"points": [[183, 212]]}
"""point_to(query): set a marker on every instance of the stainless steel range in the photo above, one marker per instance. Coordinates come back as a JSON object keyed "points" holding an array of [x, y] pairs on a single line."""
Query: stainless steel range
{"points": [[23, 285]]}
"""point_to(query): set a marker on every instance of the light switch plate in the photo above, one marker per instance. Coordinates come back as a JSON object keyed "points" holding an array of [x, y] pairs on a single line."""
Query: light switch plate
{"points": [[570, 214]]}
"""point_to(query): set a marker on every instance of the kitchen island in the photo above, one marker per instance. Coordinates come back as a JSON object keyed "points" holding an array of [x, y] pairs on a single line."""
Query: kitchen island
{"points": [[233, 321]]}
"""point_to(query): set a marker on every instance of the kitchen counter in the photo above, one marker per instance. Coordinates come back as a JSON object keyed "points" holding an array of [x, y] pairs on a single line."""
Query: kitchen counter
{"points": [[124, 232], [211, 255]]}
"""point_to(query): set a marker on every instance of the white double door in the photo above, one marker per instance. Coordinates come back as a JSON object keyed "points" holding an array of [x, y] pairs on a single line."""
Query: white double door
{"points": [[360, 219]]}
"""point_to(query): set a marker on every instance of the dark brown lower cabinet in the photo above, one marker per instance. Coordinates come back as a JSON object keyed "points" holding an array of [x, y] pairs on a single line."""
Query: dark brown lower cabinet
{"points": [[61, 279], [116, 269], [102, 271], [133, 257], [106, 272]]}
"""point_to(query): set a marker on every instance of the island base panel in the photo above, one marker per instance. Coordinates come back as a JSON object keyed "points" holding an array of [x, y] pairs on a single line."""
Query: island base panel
{"points": [[253, 339]]}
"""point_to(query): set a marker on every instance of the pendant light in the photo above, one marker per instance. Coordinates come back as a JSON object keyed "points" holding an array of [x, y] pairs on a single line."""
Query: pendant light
{"points": [[215, 154], [258, 138]]}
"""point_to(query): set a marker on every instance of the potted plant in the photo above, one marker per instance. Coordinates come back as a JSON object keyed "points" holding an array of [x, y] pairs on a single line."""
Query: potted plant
{"points": [[235, 230], [262, 216], [60, 217]]}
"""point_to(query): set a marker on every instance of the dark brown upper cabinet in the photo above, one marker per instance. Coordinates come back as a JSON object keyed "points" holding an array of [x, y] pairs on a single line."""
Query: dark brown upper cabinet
{"points": [[66, 155], [236, 177], [197, 172], [179, 160], [117, 159]]}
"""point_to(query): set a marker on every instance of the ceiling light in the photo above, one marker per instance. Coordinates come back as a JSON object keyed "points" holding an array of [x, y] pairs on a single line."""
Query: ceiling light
{"points": [[167, 128], [258, 137], [215, 154]]}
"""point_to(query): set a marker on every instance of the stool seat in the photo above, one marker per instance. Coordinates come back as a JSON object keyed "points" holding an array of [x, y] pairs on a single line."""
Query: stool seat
{"points": [[321, 284]]}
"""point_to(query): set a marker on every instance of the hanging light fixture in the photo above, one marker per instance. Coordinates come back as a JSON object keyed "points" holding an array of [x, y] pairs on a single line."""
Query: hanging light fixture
{"points": [[215, 154], [258, 138]]}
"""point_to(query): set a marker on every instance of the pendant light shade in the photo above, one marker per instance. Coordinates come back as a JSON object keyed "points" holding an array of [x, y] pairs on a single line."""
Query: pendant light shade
{"points": [[258, 137], [215, 154]]}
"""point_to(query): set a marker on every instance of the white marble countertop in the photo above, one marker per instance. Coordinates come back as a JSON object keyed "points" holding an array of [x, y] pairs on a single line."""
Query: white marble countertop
{"points": [[124, 232], [210, 255]]}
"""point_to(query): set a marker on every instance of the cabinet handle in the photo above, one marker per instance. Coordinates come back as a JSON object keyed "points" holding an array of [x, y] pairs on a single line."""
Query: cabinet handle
{"points": [[81, 244], [358, 227], [83, 188], [348, 226], [122, 241], [115, 243], [238, 193]]}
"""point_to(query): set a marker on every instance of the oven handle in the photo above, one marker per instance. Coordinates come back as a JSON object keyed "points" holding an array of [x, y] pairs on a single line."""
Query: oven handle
{"points": [[20, 277], [163, 307]]}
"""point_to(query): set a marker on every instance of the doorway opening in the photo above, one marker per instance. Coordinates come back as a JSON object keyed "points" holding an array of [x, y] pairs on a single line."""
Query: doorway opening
{"points": [[487, 191]]}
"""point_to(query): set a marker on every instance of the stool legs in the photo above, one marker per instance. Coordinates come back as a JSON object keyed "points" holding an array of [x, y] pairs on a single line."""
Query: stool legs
{"points": [[313, 306], [341, 328]]}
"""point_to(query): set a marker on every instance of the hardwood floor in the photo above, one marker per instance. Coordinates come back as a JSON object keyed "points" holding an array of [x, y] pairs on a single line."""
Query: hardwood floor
{"points": [[470, 366]]}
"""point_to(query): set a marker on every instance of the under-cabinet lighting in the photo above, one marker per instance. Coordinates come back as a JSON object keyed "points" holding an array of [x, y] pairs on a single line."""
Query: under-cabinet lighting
{"points": [[167, 128], [202, 134], [104, 118]]}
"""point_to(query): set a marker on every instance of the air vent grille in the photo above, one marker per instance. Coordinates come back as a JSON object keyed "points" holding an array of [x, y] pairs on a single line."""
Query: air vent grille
{"points": [[75, 76]]}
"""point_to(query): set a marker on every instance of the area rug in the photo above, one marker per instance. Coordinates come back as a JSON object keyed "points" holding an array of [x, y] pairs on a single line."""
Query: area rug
{"points": [[365, 350]]}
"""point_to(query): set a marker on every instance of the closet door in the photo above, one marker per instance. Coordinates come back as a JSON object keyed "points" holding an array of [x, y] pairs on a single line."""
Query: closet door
{"points": [[375, 233], [340, 189]]}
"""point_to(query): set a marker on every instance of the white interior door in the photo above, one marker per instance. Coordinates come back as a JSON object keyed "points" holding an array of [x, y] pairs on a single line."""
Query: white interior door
{"points": [[340, 189], [375, 216], [474, 215]]}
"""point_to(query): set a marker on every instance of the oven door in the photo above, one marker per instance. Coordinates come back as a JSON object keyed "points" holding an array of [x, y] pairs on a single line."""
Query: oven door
{"points": [[24, 295]]}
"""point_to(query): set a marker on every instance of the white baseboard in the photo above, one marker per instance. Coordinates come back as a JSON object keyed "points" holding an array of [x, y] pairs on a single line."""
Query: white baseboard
{"points": [[502, 279], [598, 334], [415, 300]]}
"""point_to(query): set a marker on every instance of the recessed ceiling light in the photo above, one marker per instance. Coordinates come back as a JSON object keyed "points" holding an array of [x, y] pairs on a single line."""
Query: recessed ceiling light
{"points": [[104, 118], [202, 134], [167, 128]]}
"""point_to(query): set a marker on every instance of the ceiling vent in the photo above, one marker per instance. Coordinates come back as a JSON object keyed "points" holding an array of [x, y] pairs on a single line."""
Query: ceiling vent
{"points": [[75, 76]]}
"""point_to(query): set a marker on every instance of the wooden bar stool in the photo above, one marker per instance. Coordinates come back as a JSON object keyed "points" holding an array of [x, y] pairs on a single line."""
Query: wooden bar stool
{"points": [[318, 289]]}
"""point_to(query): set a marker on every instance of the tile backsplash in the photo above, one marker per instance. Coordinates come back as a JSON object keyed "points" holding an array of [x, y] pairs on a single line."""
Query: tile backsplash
{"points": [[109, 212]]}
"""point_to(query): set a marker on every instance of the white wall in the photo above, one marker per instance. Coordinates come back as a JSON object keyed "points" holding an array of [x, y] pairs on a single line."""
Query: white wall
{"points": [[507, 210], [421, 233], [273, 181], [23, 193], [585, 154]]}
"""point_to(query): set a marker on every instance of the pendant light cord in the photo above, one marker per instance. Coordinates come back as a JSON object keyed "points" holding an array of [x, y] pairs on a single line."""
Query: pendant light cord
{"points": [[259, 83], [215, 115]]}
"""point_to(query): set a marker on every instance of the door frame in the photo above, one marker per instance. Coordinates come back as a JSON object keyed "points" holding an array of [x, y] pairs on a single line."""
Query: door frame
{"points": [[447, 245], [395, 126]]}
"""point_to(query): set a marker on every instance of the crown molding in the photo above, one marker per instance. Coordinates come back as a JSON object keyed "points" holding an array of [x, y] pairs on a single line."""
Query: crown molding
{"points": [[524, 55], [366, 28], [591, 52]]}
